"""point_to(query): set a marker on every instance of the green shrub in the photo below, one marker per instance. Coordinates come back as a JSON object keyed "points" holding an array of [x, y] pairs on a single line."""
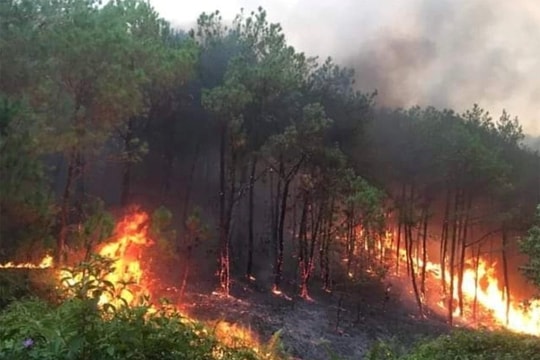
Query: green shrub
{"points": [[16, 284], [466, 345], [479, 345], [79, 329]]}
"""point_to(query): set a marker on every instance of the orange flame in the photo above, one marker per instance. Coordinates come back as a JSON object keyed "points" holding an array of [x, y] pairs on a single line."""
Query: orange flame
{"points": [[125, 249], [234, 335], [484, 285], [131, 235], [45, 263], [521, 319]]}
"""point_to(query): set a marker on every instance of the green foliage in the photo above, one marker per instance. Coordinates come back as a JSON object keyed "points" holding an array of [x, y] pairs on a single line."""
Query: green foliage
{"points": [[97, 226], [530, 245], [478, 345], [17, 284], [162, 232], [36, 330], [26, 208], [80, 329], [196, 227], [384, 350], [87, 280], [466, 345]]}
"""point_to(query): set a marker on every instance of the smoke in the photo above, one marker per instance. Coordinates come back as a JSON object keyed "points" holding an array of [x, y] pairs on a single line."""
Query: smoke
{"points": [[445, 53]]}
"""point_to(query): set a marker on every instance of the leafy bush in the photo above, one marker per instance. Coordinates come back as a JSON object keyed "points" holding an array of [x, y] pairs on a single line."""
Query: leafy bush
{"points": [[78, 328], [467, 345], [16, 284]]}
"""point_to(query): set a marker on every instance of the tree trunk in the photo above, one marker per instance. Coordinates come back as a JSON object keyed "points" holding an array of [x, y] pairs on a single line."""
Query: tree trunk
{"points": [[350, 240], [315, 230], [325, 246], [187, 267], [409, 246], [281, 235], [444, 241], [424, 251], [505, 272], [64, 210], [451, 264], [251, 207], [476, 265], [186, 202], [302, 246], [400, 227], [223, 231], [463, 247]]}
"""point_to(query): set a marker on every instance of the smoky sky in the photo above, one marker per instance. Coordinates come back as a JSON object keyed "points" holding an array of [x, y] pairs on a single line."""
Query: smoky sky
{"points": [[445, 53]]}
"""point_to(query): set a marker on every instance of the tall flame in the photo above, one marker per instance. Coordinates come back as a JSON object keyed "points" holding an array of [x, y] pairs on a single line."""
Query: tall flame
{"points": [[520, 318], [131, 235], [127, 249], [124, 249], [483, 285]]}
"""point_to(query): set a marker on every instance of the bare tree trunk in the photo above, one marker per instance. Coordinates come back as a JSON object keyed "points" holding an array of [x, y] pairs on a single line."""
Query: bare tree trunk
{"points": [[189, 184], [424, 251], [251, 208], [400, 227], [302, 246], [398, 242], [444, 241], [476, 265], [223, 230], [409, 246], [64, 210], [463, 247], [451, 265], [505, 272], [327, 239], [316, 225], [187, 267], [281, 235], [351, 240]]}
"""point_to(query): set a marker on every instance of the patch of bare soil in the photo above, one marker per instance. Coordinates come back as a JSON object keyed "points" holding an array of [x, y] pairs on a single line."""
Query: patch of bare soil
{"points": [[330, 323]]}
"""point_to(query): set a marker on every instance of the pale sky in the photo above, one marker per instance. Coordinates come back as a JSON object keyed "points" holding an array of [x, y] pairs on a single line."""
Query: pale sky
{"points": [[446, 53]]}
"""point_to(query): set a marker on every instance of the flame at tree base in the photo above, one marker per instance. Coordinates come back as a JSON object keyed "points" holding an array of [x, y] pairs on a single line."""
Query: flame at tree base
{"points": [[482, 289], [125, 253], [127, 249]]}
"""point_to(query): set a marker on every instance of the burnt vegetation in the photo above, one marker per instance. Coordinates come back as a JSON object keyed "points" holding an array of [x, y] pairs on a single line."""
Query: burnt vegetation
{"points": [[277, 174]]}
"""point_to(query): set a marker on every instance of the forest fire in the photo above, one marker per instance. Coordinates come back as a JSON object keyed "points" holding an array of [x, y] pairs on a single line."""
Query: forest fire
{"points": [[516, 317], [125, 250], [481, 286]]}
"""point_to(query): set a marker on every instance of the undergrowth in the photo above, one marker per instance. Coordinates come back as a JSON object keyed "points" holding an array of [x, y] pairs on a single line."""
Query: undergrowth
{"points": [[78, 328], [464, 345]]}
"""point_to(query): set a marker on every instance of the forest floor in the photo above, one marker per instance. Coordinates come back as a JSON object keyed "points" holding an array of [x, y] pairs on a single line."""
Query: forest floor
{"points": [[328, 324]]}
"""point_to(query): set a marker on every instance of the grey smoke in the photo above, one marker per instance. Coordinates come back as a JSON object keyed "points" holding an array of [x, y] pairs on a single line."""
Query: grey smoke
{"points": [[446, 53]]}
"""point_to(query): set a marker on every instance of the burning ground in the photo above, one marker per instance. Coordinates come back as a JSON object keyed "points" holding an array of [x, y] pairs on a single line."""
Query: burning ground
{"points": [[344, 322]]}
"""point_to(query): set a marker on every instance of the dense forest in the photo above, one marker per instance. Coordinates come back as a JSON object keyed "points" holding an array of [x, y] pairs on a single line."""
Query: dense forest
{"points": [[272, 165]]}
